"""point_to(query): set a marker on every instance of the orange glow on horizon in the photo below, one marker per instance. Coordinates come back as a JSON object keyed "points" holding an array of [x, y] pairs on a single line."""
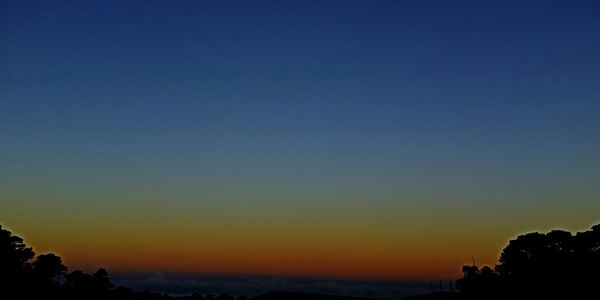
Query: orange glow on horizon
{"points": [[332, 262], [345, 252]]}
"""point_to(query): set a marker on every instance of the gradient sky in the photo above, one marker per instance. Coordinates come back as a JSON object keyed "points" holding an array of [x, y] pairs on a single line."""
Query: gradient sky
{"points": [[354, 139]]}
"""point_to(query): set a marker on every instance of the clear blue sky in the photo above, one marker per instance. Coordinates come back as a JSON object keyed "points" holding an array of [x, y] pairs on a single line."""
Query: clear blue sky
{"points": [[386, 118]]}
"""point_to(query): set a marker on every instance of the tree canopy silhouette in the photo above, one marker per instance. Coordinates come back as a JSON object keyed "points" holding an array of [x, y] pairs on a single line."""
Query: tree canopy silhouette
{"points": [[49, 265], [14, 254], [45, 277], [557, 263], [23, 277]]}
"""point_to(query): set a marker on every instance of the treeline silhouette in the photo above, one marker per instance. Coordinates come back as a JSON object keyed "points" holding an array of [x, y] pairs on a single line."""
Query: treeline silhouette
{"points": [[26, 276], [555, 265]]}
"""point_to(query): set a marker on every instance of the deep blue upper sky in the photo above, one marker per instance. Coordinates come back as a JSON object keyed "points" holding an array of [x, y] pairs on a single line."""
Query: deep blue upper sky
{"points": [[390, 105], [341, 63]]}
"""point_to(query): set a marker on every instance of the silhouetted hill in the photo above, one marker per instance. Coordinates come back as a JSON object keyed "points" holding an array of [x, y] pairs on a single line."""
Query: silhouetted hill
{"points": [[438, 296], [286, 295]]}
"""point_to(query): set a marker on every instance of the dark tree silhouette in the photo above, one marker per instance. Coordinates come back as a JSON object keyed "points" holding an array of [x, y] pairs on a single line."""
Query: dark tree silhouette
{"points": [[14, 254], [15, 269], [478, 282], [101, 280], [49, 266], [555, 264]]}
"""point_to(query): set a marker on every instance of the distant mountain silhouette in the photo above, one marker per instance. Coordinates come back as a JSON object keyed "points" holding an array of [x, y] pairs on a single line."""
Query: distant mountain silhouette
{"points": [[286, 295], [439, 296], [554, 265]]}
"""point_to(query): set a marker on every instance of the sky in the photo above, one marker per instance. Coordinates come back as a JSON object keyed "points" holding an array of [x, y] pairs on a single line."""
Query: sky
{"points": [[333, 139]]}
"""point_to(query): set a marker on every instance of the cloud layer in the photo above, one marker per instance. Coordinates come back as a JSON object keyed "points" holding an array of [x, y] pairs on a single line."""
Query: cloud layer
{"points": [[251, 286]]}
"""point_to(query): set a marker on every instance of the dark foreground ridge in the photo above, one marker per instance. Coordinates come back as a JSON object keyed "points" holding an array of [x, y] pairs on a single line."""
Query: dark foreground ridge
{"points": [[280, 295], [554, 265]]}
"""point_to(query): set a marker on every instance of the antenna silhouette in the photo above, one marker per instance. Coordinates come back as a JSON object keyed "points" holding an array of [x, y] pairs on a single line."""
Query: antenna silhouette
{"points": [[473, 258]]}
